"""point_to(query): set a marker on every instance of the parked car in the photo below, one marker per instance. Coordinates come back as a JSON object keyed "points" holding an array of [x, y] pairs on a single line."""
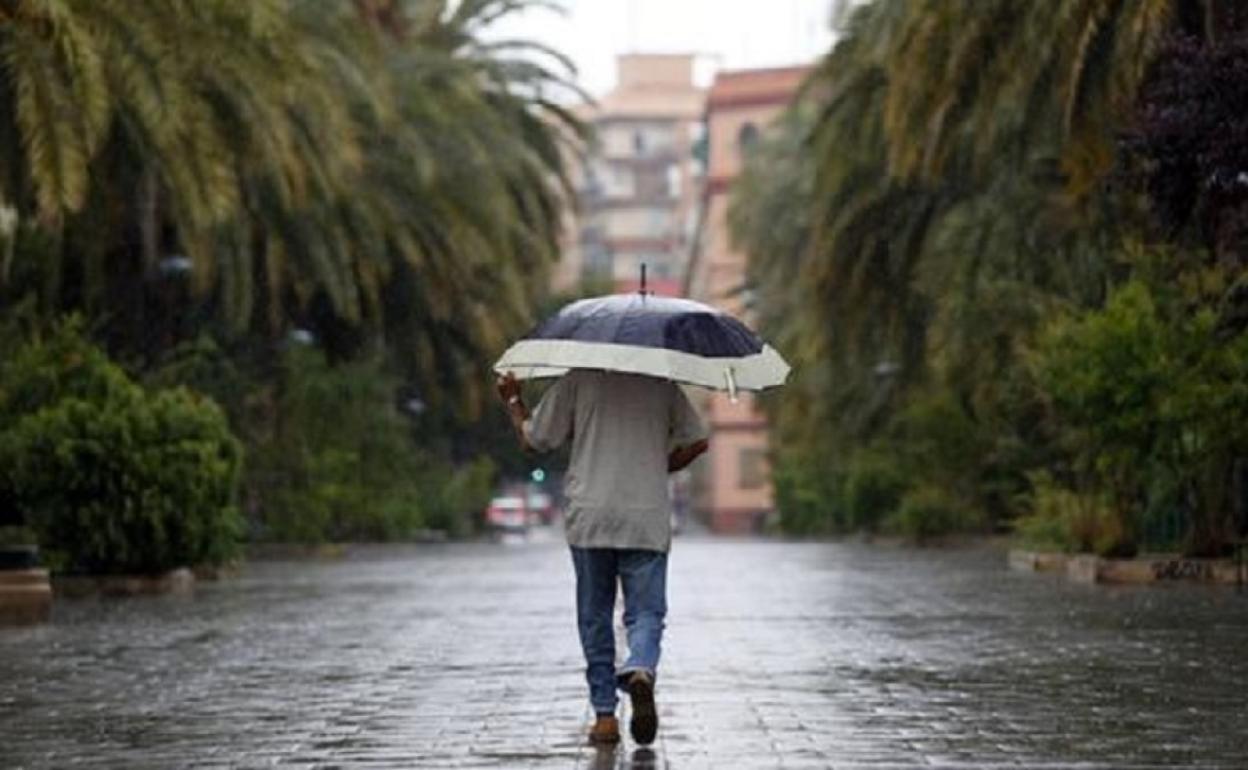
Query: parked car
{"points": [[507, 513]]}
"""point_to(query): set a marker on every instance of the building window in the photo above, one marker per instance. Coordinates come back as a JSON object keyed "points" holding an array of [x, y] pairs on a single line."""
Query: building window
{"points": [[616, 181], [639, 142], [673, 181], [700, 151], [658, 223], [747, 138], [752, 468], [644, 222]]}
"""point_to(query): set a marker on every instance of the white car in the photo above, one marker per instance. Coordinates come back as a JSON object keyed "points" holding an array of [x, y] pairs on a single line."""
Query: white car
{"points": [[507, 513]]}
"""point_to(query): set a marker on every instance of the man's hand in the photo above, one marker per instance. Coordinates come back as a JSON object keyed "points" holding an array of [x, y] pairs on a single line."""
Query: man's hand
{"points": [[509, 391], [508, 386], [682, 456]]}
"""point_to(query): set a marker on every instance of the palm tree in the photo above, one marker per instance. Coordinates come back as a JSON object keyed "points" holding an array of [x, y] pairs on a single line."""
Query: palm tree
{"points": [[367, 166], [948, 208], [443, 236], [991, 81], [137, 126]]}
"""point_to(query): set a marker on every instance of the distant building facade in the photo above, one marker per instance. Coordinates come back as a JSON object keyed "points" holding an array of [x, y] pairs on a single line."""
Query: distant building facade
{"points": [[653, 189], [734, 492], [637, 189]]}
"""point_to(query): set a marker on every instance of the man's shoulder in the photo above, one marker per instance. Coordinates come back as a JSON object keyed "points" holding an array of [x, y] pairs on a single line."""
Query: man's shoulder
{"points": [[642, 382], [589, 382]]}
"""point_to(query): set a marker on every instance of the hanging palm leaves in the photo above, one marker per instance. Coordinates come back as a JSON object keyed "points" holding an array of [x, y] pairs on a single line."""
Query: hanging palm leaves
{"points": [[959, 197], [369, 166]]}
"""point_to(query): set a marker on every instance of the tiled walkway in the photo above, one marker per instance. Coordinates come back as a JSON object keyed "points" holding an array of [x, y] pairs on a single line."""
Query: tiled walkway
{"points": [[777, 655]]}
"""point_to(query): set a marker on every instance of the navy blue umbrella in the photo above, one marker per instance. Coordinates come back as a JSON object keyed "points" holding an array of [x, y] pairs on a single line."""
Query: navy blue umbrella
{"points": [[639, 333]]}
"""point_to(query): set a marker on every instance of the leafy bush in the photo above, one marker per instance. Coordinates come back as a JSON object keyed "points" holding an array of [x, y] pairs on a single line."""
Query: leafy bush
{"points": [[937, 444], [927, 512], [15, 535], [204, 367], [345, 464], [64, 365], [874, 485], [1065, 520], [1146, 389], [808, 495], [453, 493], [111, 478]]}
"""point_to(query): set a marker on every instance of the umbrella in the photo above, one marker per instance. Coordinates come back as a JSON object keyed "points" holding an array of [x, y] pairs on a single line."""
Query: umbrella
{"points": [[639, 333]]}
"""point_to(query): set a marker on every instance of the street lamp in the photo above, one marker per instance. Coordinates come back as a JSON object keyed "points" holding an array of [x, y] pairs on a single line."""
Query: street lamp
{"points": [[8, 238], [174, 265], [886, 370], [301, 337], [173, 270]]}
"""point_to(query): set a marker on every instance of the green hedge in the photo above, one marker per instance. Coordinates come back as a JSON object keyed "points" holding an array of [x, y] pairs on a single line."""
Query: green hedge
{"points": [[1152, 399], [111, 478], [343, 463], [927, 512]]}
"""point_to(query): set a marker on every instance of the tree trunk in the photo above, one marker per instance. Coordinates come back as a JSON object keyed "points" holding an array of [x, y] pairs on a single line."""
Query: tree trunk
{"points": [[385, 16], [1224, 19], [1210, 527], [1239, 497], [149, 222]]}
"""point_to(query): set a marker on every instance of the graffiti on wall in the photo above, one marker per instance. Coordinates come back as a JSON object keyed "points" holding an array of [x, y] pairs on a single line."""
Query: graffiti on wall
{"points": [[1182, 569]]}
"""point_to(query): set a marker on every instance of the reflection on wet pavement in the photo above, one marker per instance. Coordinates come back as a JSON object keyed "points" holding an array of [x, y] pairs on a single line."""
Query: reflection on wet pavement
{"points": [[777, 655]]}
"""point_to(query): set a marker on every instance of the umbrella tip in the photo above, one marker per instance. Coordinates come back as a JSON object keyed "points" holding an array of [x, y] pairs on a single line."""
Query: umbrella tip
{"points": [[643, 279]]}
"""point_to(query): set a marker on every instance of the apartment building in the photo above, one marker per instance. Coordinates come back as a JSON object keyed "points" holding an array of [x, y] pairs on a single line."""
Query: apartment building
{"points": [[734, 492], [638, 187]]}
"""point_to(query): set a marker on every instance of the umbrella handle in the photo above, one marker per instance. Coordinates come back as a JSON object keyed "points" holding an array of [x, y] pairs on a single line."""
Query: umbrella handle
{"points": [[732, 384]]}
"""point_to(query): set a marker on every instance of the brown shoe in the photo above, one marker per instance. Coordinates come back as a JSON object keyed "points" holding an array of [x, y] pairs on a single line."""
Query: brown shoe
{"points": [[606, 730], [645, 721]]}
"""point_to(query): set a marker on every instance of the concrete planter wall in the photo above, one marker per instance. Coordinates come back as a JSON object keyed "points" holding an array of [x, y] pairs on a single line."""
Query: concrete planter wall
{"points": [[25, 596], [1037, 561], [77, 586], [27, 590], [213, 573], [25, 593], [1155, 568]]}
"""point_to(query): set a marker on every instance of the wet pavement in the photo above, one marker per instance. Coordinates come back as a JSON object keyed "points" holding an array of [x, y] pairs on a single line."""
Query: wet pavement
{"points": [[777, 655]]}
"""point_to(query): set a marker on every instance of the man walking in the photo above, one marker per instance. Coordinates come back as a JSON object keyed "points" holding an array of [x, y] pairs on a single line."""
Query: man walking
{"points": [[628, 432]]}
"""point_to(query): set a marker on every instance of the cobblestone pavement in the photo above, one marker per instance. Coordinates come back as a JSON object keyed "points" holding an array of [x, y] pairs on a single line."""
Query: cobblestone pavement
{"points": [[777, 655]]}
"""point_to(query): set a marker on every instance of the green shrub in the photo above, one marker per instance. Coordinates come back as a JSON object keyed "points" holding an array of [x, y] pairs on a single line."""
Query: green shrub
{"points": [[808, 495], [14, 535], [815, 498], [1150, 390], [453, 494], [64, 365], [1044, 533], [128, 485], [874, 486], [113, 479], [346, 465], [927, 512], [204, 367], [1067, 520]]}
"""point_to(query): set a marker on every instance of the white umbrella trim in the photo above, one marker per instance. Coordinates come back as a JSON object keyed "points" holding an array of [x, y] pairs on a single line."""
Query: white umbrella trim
{"points": [[534, 359]]}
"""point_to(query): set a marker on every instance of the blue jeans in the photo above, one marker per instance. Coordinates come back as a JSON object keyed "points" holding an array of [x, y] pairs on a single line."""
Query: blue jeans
{"points": [[643, 576]]}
